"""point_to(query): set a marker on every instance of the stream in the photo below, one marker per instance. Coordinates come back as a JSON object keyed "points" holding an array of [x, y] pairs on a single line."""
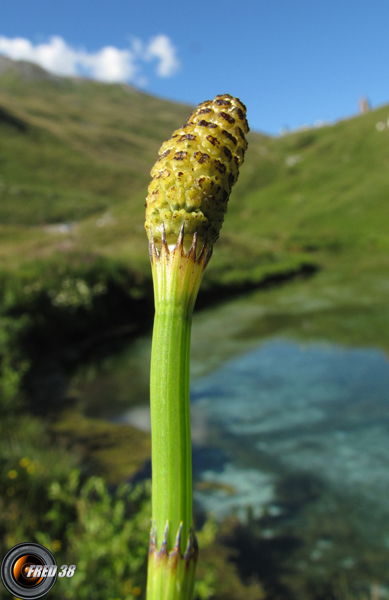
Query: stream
{"points": [[288, 432]]}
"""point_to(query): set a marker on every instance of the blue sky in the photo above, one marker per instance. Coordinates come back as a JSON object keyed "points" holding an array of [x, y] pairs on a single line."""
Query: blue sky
{"points": [[292, 62]]}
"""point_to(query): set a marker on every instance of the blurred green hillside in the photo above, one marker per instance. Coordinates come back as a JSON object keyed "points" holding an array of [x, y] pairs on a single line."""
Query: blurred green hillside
{"points": [[75, 157]]}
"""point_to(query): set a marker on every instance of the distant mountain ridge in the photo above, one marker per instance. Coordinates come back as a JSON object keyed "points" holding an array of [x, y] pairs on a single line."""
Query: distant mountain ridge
{"points": [[27, 70]]}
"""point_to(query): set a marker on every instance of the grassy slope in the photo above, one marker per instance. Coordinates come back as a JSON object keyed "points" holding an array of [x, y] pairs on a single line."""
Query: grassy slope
{"points": [[75, 150], [73, 147]]}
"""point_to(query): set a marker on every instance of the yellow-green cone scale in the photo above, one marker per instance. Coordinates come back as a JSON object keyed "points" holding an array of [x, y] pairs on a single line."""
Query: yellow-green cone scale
{"points": [[195, 172]]}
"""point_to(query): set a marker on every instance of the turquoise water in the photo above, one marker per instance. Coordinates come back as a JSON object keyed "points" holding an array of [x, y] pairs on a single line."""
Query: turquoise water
{"points": [[287, 407], [292, 437]]}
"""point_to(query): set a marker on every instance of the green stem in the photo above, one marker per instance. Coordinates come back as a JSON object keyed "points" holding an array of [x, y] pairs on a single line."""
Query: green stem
{"points": [[170, 422], [173, 551]]}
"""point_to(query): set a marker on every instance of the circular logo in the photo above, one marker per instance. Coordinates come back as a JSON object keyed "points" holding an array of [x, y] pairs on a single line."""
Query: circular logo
{"points": [[28, 571]]}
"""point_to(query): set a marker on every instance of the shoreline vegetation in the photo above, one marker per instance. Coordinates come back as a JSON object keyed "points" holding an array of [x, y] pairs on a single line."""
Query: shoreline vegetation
{"points": [[309, 235]]}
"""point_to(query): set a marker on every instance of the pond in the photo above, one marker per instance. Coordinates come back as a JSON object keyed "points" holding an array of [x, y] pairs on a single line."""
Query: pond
{"points": [[315, 408], [288, 433]]}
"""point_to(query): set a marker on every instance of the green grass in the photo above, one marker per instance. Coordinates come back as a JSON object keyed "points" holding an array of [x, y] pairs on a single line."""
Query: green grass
{"points": [[76, 150], [80, 152], [72, 148]]}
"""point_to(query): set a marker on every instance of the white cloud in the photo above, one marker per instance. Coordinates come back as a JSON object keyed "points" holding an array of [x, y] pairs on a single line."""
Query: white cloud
{"points": [[108, 64], [161, 48], [55, 56]]}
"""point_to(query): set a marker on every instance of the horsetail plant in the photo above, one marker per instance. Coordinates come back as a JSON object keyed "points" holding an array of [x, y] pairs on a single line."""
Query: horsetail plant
{"points": [[185, 207]]}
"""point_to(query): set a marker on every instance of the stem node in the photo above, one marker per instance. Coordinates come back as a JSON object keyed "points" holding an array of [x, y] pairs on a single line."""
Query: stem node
{"points": [[171, 575]]}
